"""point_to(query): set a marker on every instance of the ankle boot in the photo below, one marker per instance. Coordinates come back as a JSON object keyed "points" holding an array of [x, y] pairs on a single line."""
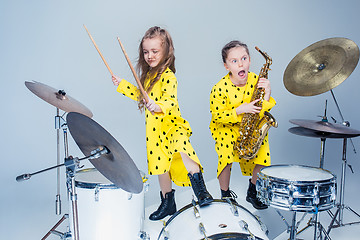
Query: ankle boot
{"points": [[252, 197], [167, 206], [229, 194], [199, 188]]}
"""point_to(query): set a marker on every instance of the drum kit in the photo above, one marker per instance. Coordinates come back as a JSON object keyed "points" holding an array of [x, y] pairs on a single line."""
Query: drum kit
{"points": [[317, 69], [107, 201]]}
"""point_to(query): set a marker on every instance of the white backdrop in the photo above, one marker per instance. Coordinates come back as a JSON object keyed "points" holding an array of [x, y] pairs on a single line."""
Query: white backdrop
{"points": [[45, 41]]}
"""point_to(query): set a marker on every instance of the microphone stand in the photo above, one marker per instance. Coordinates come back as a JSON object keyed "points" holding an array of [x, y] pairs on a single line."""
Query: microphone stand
{"points": [[338, 216], [72, 165]]}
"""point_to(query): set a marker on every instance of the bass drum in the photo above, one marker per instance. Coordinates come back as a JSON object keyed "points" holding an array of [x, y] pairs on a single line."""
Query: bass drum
{"points": [[297, 188], [219, 220], [106, 211]]}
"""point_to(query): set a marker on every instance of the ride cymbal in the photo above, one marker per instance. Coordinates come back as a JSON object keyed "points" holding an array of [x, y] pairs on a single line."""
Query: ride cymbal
{"points": [[326, 128], [57, 98], [321, 66], [318, 134], [116, 165]]}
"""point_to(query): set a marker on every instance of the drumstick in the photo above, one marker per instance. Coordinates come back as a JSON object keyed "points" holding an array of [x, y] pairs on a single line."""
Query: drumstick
{"points": [[133, 72], [99, 51]]}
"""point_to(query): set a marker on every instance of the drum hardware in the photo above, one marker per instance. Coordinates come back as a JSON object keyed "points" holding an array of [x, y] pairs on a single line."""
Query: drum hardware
{"points": [[245, 226], [233, 208], [60, 100], [196, 210], [202, 230], [71, 165], [62, 236], [298, 189]]}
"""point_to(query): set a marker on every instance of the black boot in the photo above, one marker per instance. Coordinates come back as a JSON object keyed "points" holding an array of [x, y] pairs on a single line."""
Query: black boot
{"points": [[199, 188], [167, 206], [229, 194], [252, 197]]}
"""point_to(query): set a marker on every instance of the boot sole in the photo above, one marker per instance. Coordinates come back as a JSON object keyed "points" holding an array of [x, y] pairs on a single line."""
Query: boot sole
{"points": [[254, 205]]}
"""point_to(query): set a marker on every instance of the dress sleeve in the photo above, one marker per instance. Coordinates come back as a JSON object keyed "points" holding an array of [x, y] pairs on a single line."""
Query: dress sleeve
{"points": [[219, 109], [128, 89], [168, 98], [267, 105]]}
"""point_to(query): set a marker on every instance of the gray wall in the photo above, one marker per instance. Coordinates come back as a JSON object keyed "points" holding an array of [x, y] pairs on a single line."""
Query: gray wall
{"points": [[45, 41]]}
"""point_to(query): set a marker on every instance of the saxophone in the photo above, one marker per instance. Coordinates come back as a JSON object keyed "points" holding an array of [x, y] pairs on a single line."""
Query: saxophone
{"points": [[253, 129]]}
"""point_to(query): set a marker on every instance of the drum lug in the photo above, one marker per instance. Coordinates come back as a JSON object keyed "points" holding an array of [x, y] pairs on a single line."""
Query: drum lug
{"points": [[262, 225], [97, 192], [245, 226], [233, 208], [144, 236], [196, 210]]}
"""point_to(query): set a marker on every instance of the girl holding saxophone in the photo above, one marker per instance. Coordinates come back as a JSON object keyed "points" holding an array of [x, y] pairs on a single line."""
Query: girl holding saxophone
{"points": [[230, 98]]}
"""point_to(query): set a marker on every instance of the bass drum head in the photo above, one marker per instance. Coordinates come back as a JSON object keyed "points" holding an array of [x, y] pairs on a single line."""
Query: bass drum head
{"points": [[218, 221]]}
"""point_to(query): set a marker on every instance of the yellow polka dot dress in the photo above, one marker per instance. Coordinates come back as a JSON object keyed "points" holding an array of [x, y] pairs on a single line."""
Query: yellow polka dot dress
{"points": [[167, 133], [225, 97]]}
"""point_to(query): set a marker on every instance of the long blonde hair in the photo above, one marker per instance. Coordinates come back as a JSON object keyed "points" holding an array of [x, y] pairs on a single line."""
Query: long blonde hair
{"points": [[167, 61]]}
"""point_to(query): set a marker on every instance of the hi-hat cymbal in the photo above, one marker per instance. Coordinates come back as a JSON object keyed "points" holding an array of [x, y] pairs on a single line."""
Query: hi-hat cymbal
{"points": [[326, 127], [117, 166], [321, 66], [57, 98], [318, 134]]}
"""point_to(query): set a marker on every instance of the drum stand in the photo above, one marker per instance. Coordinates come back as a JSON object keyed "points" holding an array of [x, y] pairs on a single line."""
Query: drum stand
{"points": [[338, 216], [71, 164]]}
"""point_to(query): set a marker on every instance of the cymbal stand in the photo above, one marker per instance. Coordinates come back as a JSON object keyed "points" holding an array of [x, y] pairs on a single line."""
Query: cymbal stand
{"points": [[71, 164], [57, 127], [338, 216]]}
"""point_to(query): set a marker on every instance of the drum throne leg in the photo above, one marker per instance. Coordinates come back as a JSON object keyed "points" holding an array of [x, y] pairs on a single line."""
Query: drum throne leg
{"points": [[252, 197], [199, 188], [167, 206]]}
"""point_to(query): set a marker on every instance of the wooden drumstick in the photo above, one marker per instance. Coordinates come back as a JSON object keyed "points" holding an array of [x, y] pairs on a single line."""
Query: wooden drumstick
{"points": [[99, 51], [133, 72]]}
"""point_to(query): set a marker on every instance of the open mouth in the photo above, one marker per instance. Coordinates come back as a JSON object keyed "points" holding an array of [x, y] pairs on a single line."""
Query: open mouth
{"points": [[242, 74]]}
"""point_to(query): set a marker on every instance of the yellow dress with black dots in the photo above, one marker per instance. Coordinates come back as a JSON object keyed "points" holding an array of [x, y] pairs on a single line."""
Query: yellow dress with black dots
{"points": [[225, 97], [167, 133]]}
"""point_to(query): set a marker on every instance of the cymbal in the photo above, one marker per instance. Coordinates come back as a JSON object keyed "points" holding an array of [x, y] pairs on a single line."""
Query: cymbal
{"points": [[57, 98], [321, 66], [326, 127], [318, 134], [117, 165]]}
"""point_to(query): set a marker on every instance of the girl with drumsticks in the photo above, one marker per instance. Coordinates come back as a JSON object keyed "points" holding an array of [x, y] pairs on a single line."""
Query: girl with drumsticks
{"points": [[169, 152], [229, 100]]}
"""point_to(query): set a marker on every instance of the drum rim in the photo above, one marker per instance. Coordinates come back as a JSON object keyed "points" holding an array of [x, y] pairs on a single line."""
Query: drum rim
{"points": [[213, 201], [297, 181], [93, 185]]}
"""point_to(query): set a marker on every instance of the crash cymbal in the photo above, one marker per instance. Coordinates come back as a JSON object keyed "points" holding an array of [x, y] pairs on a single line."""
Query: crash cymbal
{"points": [[321, 66], [326, 127], [57, 98], [318, 134], [117, 166]]}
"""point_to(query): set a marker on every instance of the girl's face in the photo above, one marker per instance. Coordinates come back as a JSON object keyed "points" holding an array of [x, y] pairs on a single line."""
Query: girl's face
{"points": [[153, 51], [238, 63]]}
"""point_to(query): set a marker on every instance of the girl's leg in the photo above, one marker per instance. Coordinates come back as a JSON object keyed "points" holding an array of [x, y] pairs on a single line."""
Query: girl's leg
{"points": [[224, 178], [165, 183], [224, 182], [252, 193], [190, 165], [256, 170], [167, 196], [197, 180]]}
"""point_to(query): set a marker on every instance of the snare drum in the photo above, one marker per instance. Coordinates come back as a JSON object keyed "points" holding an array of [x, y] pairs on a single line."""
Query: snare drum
{"points": [[297, 188], [106, 211], [219, 220]]}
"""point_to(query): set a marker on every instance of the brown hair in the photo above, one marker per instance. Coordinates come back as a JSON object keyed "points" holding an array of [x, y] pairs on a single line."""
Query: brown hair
{"points": [[168, 60], [230, 45]]}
